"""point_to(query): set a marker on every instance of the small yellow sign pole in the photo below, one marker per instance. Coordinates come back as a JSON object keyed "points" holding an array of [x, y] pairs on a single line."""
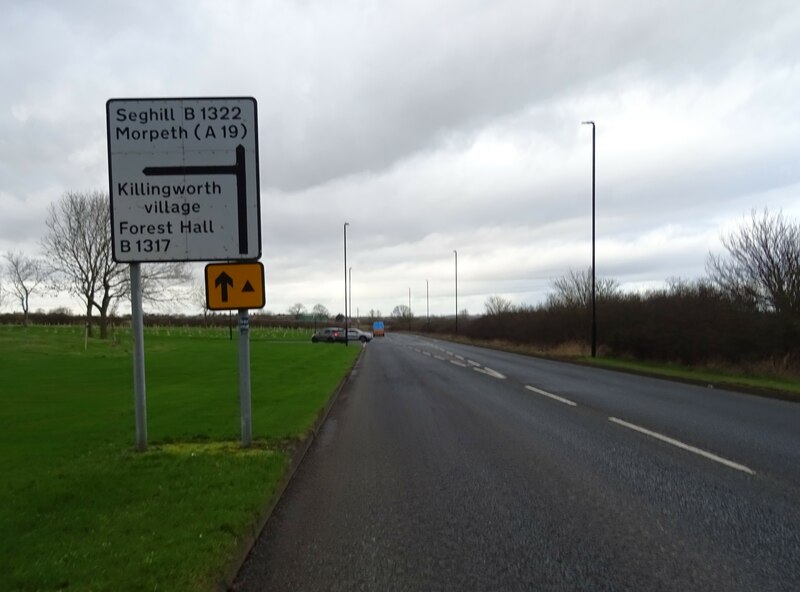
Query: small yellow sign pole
{"points": [[238, 286], [244, 378]]}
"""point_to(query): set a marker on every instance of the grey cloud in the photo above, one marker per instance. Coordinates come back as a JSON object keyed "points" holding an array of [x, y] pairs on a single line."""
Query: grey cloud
{"points": [[396, 116]]}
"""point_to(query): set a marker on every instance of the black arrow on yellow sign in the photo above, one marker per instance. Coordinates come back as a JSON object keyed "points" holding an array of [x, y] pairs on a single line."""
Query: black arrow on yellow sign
{"points": [[225, 281]]}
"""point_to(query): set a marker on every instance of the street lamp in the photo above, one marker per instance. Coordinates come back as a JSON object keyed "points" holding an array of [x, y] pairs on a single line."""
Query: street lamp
{"points": [[409, 308], [594, 307], [346, 341], [350, 282], [456, 254], [427, 305]]}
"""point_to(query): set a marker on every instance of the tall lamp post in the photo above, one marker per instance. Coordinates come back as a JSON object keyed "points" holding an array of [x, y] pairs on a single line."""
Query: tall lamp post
{"points": [[456, 254], [427, 305], [350, 283], [346, 341], [409, 308], [594, 303]]}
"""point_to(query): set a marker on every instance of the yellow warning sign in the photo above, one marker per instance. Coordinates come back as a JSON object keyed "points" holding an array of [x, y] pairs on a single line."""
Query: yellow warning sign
{"points": [[231, 286]]}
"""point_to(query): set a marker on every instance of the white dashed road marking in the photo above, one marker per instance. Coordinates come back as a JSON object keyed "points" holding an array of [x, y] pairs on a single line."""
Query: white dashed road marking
{"points": [[490, 372], [459, 361], [551, 395], [673, 442]]}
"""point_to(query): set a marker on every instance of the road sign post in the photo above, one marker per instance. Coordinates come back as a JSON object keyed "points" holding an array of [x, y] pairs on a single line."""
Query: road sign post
{"points": [[184, 186], [238, 286], [137, 328]]}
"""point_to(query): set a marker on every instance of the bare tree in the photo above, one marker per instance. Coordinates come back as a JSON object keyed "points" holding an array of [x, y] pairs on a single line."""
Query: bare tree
{"points": [[199, 299], [78, 244], [297, 309], [320, 311], [574, 290], [401, 311], [762, 265], [498, 305], [163, 284], [25, 275]]}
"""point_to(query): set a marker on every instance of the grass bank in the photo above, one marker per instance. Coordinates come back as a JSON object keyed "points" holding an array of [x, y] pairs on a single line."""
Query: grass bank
{"points": [[763, 383], [80, 510]]}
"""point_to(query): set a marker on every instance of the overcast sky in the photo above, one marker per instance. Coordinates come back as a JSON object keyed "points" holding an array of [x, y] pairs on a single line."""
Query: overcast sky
{"points": [[432, 126]]}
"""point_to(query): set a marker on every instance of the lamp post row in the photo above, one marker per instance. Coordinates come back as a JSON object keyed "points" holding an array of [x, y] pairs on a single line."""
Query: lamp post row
{"points": [[455, 253]]}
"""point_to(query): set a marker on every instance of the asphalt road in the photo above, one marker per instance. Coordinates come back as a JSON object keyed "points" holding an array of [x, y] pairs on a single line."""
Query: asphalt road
{"points": [[450, 467]]}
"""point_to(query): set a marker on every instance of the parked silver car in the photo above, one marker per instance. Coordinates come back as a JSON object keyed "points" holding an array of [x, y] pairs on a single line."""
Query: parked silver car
{"points": [[329, 335], [359, 335]]}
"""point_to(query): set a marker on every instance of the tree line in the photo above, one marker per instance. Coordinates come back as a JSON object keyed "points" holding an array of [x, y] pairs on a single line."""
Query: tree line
{"points": [[745, 311], [746, 308]]}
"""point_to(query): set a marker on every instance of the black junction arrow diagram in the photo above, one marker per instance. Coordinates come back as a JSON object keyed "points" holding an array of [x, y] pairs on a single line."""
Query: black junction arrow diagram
{"points": [[226, 282], [237, 169]]}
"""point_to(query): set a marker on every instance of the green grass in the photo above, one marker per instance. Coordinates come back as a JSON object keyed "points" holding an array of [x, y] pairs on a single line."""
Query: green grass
{"points": [[715, 377], [80, 510], [770, 383]]}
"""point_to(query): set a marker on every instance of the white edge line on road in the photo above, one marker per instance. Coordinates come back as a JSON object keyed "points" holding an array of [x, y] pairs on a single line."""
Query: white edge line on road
{"points": [[489, 372], [551, 395], [472, 363], [457, 363], [668, 440]]}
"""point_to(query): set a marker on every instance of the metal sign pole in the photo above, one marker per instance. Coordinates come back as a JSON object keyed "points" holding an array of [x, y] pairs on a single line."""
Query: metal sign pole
{"points": [[244, 378], [137, 328]]}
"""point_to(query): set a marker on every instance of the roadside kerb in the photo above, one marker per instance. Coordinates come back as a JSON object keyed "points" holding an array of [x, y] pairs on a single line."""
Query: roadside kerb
{"points": [[249, 539]]}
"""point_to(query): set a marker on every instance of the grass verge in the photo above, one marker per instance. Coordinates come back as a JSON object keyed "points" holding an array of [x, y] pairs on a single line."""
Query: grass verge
{"points": [[779, 387], [80, 510], [776, 387]]}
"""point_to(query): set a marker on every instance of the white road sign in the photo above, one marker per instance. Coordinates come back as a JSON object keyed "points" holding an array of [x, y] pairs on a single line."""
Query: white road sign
{"points": [[183, 179]]}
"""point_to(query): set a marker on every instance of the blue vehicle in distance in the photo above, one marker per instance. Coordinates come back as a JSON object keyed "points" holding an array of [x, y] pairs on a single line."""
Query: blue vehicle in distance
{"points": [[377, 329]]}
